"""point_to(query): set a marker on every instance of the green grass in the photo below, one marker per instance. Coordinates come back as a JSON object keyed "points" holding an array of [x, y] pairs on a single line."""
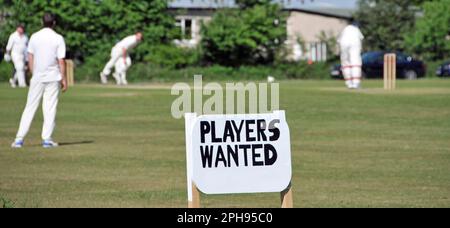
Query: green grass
{"points": [[122, 148], [6, 203]]}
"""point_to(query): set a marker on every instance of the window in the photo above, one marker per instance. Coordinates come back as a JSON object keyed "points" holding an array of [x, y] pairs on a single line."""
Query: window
{"points": [[185, 25], [187, 29], [317, 51]]}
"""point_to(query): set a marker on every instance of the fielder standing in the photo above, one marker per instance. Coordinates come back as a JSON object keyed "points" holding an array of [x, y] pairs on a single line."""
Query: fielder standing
{"points": [[16, 51], [120, 53], [46, 53], [350, 42]]}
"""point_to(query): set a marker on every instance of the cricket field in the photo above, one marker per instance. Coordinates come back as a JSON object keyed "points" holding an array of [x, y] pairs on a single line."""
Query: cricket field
{"points": [[120, 147]]}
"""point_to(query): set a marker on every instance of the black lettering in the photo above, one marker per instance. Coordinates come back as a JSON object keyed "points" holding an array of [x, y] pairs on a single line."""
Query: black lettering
{"points": [[245, 148], [220, 157], [204, 129], [256, 155], [214, 139], [249, 130], [238, 129], [268, 151], [274, 130], [261, 129], [206, 154], [228, 133], [233, 154]]}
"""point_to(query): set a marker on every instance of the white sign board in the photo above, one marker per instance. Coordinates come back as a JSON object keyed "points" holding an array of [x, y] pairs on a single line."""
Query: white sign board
{"points": [[248, 153]]}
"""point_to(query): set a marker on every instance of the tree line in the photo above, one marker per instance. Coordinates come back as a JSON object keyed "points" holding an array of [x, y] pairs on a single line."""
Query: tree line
{"points": [[252, 34]]}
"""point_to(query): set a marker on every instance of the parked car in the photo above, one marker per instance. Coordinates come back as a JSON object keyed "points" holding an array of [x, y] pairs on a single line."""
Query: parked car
{"points": [[373, 66], [443, 70]]}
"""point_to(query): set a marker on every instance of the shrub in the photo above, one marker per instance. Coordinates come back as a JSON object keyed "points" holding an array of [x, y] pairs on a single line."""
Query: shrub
{"points": [[246, 36], [430, 37], [431, 68], [152, 72], [6, 71], [92, 66], [173, 57]]}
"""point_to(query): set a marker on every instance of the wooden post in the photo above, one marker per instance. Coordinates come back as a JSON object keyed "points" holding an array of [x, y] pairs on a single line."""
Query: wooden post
{"points": [[69, 72], [385, 72], [390, 71], [192, 190], [195, 203], [287, 200], [394, 71]]}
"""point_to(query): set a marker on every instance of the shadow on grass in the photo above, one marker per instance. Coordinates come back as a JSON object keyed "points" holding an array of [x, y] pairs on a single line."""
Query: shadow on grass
{"points": [[76, 143]]}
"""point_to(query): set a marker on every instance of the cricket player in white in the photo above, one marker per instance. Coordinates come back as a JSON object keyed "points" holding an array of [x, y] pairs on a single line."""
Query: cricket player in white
{"points": [[16, 51], [120, 53], [350, 42], [46, 53]]}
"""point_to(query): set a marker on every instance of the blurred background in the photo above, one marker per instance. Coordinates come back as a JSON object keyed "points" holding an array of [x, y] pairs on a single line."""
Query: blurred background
{"points": [[240, 39]]}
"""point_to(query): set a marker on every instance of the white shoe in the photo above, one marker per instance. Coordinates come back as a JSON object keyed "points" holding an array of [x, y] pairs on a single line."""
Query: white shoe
{"points": [[12, 83], [349, 84], [49, 144], [18, 143], [117, 78], [103, 78]]}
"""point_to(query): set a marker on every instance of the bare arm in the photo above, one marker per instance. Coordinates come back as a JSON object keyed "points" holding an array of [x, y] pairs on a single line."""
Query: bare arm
{"points": [[62, 69], [30, 62], [124, 55]]}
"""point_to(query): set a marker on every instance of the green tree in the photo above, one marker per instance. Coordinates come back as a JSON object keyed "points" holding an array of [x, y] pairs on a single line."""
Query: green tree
{"points": [[92, 27], [245, 36], [384, 22], [431, 36]]}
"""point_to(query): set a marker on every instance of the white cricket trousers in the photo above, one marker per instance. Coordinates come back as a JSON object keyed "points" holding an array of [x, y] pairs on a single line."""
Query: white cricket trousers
{"points": [[351, 62], [49, 91], [19, 65], [116, 53], [121, 68]]}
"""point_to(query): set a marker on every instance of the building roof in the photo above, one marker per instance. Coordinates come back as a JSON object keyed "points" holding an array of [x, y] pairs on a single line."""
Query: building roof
{"points": [[292, 5]]}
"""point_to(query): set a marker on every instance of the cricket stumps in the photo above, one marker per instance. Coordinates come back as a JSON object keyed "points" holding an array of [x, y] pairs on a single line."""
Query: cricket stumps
{"points": [[390, 71]]}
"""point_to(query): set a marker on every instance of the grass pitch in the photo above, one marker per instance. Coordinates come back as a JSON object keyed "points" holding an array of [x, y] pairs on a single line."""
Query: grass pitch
{"points": [[121, 148]]}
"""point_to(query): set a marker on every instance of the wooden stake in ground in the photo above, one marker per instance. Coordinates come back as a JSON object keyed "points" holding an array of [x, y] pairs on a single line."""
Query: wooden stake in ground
{"points": [[195, 202], [287, 200], [69, 72], [390, 71]]}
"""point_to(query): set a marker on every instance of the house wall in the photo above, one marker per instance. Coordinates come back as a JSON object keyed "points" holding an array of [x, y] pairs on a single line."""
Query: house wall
{"points": [[308, 26]]}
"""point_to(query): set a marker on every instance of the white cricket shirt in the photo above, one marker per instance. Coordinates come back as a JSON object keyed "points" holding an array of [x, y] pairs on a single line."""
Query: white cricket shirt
{"points": [[17, 44], [351, 35], [47, 47], [128, 42]]}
